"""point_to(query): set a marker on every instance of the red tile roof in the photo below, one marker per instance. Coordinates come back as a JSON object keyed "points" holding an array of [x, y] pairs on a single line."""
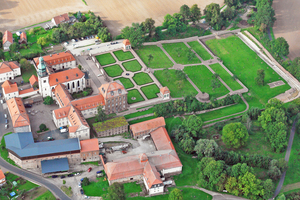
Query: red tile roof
{"points": [[33, 79], [76, 118], [9, 87], [62, 112], [7, 36], [55, 59], [126, 42], [65, 76], [151, 175], [166, 160], [89, 145], [23, 37], [112, 89], [2, 176], [88, 102], [8, 66], [164, 90], [61, 18], [62, 95], [27, 91], [161, 139], [18, 112], [149, 125]]}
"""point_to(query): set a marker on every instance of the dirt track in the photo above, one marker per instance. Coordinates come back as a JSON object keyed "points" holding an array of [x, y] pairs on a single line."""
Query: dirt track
{"points": [[15, 14], [287, 24]]}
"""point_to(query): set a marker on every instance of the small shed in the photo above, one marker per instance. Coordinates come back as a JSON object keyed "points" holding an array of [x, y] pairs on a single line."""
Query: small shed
{"points": [[126, 44], [165, 93]]}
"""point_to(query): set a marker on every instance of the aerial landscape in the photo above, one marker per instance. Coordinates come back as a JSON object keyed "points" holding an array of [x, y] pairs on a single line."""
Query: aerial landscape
{"points": [[162, 100]]}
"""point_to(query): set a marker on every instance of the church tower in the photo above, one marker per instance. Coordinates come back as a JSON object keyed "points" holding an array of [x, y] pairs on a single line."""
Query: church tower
{"points": [[42, 68], [44, 85]]}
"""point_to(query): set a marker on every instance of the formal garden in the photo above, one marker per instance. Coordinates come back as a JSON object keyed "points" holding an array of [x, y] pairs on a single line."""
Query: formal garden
{"points": [[132, 66], [113, 71], [123, 55], [126, 82], [105, 59]]}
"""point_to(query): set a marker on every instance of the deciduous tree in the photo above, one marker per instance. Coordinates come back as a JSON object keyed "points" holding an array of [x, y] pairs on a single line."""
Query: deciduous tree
{"points": [[195, 13], [185, 11], [175, 194], [235, 135], [48, 100], [149, 26], [101, 115], [25, 64], [260, 77], [205, 148], [116, 192], [212, 13], [150, 58]]}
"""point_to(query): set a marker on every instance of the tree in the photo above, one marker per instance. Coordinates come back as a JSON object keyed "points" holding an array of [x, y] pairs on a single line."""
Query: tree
{"points": [[150, 58], [178, 51], [250, 186], [134, 34], [14, 47], [187, 143], [265, 14], [190, 54], [193, 125], [1, 53], [175, 194], [185, 11], [281, 196], [180, 74], [281, 47], [231, 3], [116, 192], [195, 13], [260, 77], [79, 67], [104, 35], [25, 64], [43, 127], [229, 13], [101, 115], [205, 148], [149, 26], [215, 83], [48, 100], [212, 13], [85, 181], [269, 187], [235, 135], [85, 93], [41, 41]]}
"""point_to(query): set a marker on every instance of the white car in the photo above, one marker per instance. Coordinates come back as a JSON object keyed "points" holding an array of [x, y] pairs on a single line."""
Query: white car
{"points": [[79, 185], [1, 101], [5, 116]]}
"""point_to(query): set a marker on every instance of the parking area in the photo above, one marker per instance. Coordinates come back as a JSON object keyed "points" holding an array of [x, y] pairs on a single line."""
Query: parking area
{"points": [[55, 134], [41, 114]]}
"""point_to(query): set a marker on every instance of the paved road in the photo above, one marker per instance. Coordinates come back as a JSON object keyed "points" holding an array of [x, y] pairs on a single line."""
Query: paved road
{"points": [[287, 157], [34, 178], [93, 76]]}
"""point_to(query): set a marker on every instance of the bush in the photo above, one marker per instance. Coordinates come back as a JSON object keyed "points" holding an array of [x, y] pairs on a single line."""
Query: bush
{"points": [[64, 181], [85, 181], [43, 127]]}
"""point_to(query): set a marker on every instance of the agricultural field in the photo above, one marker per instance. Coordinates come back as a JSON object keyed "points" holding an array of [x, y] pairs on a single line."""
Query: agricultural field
{"points": [[160, 59], [126, 82], [202, 77], [178, 51], [185, 89], [132, 66], [121, 55], [244, 63], [113, 71], [105, 59], [150, 91]]}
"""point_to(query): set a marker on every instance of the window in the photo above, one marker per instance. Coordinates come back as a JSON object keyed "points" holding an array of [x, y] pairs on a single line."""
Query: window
{"points": [[44, 81], [112, 93], [131, 178]]}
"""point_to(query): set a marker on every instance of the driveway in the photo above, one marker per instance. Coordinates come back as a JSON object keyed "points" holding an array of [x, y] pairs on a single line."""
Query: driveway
{"points": [[56, 134]]}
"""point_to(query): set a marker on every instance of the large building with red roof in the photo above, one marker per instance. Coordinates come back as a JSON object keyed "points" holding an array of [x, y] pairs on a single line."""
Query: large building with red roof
{"points": [[151, 167], [89, 150], [64, 18], [145, 128], [7, 40], [9, 70]]}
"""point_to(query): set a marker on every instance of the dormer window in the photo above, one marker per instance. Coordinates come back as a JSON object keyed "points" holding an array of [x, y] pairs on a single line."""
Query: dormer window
{"points": [[112, 93], [119, 91], [67, 77], [103, 90]]}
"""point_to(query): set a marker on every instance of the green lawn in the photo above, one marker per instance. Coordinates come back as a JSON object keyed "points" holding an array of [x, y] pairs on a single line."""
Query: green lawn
{"points": [[293, 172], [244, 63], [132, 187], [142, 78], [134, 93], [126, 82], [113, 71], [140, 113], [182, 58], [27, 74], [105, 59], [90, 163], [233, 84], [202, 77], [96, 188], [46, 196], [160, 60], [199, 49], [150, 91], [187, 88], [121, 55], [132, 66], [141, 120]]}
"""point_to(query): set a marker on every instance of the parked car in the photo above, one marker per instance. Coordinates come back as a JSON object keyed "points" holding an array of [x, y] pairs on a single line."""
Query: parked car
{"points": [[54, 176], [27, 105], [6, 121], [79, 185], [6, 126], [50, 138], [86, 197], [81, 179], [63, 176], [81, 191], [90, 169], [5, 116], [70, 175], [1, 101]]}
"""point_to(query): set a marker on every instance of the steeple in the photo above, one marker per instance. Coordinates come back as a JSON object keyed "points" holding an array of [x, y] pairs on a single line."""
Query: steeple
{"points": [[42, 67]]}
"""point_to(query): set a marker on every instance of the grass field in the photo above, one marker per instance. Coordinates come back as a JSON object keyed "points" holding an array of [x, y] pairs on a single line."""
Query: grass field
{"points": [[160, 60], [142, 78], [244, 63], [126, 82], [105, 59], [293, 172], [132, 66], [140, 113], [113, 71], [182, 58], [233, 84], [46, 196], [150, 91], [132, 187], [202, 77], [134, 93], [96, 188], [199, 49], [27, 74], [186, 89], [121, 55]]}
